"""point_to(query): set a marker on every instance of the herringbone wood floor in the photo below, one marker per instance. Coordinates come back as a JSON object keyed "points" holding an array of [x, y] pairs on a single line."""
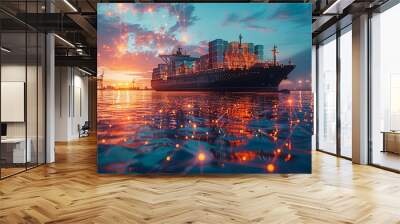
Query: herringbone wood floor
{"points": [[70, 191]]}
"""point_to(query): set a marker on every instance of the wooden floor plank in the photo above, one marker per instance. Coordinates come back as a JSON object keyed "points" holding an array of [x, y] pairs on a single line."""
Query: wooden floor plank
{"points": [[70, 191]]}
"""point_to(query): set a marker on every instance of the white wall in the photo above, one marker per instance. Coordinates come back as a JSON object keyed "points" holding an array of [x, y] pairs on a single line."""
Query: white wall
{"points": [[71, 102], [80, 110], [62, 81], [14, 73]]}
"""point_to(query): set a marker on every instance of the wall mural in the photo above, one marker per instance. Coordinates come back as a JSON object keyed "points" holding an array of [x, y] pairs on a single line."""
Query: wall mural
{"points": [[204, 88]]}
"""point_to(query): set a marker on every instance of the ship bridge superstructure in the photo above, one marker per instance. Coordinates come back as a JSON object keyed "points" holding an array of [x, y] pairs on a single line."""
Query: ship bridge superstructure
{"points": [[178, 63]]}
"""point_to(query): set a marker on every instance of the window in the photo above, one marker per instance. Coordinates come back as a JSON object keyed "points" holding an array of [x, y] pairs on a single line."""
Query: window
{"points": [[326, 104], [346, 92], [385, 89]]}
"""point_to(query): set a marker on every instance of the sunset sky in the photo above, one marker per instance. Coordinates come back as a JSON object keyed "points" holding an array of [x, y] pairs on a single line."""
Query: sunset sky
{"points": [[132, 35]]}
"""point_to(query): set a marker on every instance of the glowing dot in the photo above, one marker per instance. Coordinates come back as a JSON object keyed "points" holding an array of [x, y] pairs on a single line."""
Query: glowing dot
{"points": [[103, 141], [189, 106], [146, 142], [177, 145], [194, 125], [201, 156], [168, 158], [150, 10], [206, 133], [181, 126], [160, 111], [290, 101], [192, 136], [186, 137], [278, 151], [244, 158], [270, 167], [110, 125]]}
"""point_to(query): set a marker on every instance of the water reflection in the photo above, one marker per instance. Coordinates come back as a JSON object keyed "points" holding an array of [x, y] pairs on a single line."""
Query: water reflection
{"points": [[204, 132]]}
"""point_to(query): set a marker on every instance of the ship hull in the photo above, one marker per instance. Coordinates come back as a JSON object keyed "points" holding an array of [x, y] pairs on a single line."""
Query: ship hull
{"points": [[254, 79]]}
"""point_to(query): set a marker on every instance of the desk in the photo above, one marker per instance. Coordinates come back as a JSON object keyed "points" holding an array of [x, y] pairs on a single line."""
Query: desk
{"points": [[391, 141], [16, 147]]}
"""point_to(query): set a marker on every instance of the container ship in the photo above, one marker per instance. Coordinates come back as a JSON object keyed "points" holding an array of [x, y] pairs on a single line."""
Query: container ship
{"points": [[233, 66]]}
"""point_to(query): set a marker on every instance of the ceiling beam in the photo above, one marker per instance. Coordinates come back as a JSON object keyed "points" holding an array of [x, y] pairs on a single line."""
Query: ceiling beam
{"points": [[337, 7], [78, 61], [84, 24]]}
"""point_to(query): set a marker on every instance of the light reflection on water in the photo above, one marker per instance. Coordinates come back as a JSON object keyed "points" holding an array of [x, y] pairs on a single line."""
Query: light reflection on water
{"points": [[204, 132]]}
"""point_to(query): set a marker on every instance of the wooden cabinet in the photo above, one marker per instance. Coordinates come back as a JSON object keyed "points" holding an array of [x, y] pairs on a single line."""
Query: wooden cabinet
{"points": [[391, 142]]}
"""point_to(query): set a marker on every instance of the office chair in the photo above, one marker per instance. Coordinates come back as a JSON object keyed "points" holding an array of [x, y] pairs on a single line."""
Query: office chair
{"points": [[84, 130]]}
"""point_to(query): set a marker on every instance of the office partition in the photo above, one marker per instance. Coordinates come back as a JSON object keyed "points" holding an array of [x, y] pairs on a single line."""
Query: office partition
{"points": [[22, 77]]}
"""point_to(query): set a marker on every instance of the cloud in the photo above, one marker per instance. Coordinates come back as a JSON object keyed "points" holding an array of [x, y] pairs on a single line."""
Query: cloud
{"points": [[197, 50], [131, 47], [254, 17], [292, 12], [115, 41], [184, 15], [134, 62], [260, 28], [250, 22], [231, 18], [132, 37], [127, 37]]}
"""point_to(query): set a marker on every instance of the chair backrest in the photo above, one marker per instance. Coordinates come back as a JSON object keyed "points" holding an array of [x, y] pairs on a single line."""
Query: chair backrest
{"points": [[86, 125]]}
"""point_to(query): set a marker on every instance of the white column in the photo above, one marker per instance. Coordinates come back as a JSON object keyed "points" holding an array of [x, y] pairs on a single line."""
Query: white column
{"points": [[63, 102], [50, 92], [360, 90], [50, 99]]}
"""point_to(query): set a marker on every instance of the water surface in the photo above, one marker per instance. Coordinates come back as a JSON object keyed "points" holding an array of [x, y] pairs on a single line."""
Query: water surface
{"points": [[204, 132]]}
